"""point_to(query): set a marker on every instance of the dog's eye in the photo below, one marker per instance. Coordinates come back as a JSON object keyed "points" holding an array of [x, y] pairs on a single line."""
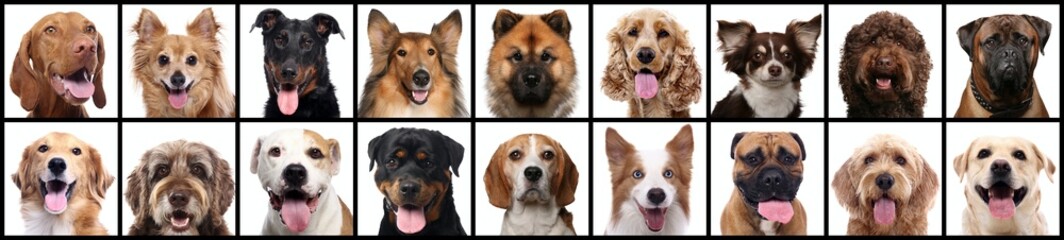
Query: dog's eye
{"points": [[197, 170], [632, 32], [163, 60], [668, 174], [753, 160], [900, 160], [275, 152], [515, 155], [279, 40], [990, 42], [546, 57], [432, 52], [50, 30], [787, 56], [1022, 40], [869, 160], [548, 155], [663, 33], [402, 53], [90, 29], [897, 43], [42, 148], [1019, 155], [517, 57], [315, 153], [391, 163], [76, 151], [306, 43], [637, 174], [984, 153], [427, 164], [758, 56], [162, 171], [874, 41], [191, 60], [788, 159]]}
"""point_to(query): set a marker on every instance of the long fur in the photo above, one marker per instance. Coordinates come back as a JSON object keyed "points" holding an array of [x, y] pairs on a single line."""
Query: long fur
{"points": [[912, 56]]}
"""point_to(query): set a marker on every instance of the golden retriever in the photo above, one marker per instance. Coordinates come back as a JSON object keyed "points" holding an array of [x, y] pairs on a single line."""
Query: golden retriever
{"points": [[1002, 190]]}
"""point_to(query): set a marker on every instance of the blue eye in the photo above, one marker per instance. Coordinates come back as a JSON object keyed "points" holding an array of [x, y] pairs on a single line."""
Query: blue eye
{"points": [[668, 173], [637, 174]]}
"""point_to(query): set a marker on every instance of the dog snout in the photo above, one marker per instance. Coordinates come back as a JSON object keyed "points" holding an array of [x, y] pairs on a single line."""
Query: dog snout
{"points": [[1000, 168], [83, 47], [772, 177], [645, 55], [656, 196], [1009, 53], [409, 189], [177, 80], [885, 62], [295, 175], [533, 173], [885, 181], [531, 80], [57, 166], [775, 71], [179, 198], [289, 70], [421, 78]]}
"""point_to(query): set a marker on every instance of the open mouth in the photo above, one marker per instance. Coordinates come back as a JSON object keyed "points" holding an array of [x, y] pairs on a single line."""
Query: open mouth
{"points": [[77, 86], [409, 217], [1002, 199], [177, 95], [56, 195], [884, 81], [646, 84], [179, 220], [777, 210], [419, 96], [883, 209], [295, 207], [288, 97], [655, 217]]}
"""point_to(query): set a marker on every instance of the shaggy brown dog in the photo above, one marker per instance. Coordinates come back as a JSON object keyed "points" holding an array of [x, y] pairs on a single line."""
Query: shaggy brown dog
{"points": [[885, 67], [180, 188]]}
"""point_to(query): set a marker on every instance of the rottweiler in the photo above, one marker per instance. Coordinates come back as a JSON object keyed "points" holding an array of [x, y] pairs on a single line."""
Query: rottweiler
{"points": [[415, 178], [297, 71]]}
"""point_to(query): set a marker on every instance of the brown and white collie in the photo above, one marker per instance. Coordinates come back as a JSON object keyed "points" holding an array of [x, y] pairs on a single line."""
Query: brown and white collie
{"points": [[650, 188]]}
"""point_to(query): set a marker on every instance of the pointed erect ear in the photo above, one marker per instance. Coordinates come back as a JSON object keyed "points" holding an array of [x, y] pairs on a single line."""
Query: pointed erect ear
{"points": [[1043, 28], [683, 144], [504, 21], [148, 27], [735, 142], [806, 33], [559, 22], [617, 149], [448, 31], [326, 25], [966, 35], [204, 26], [268, 19], [381, 33]]}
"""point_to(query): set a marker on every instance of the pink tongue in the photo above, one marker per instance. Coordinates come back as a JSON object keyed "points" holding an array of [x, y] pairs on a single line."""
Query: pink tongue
{"points": [[80, 89], [177, 100], [884, 211], [1002, 208], [883, 83], [296, 214], [410, 221], [420, 95], [655, 218], [56, 201], [776, 210], [288, 100], [646, 85]]}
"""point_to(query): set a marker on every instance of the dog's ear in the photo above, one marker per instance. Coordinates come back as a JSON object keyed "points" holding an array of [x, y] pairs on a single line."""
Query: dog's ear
{"points": [[99, 98], [558, 21], [733, 38], [615, 83], [204, 26], [136, 190], [222, 187], [565, 179], [735, 143], [966, 35], [455, 151], [1043, 28], [806, 34], [447, 33], [326, 25], [960, 162], [23, 76], [255, 155], [845, 187], [268, 19], [334, 151], [801, 144], [375, 146], [682, 145], [617, 149], [382, 36], [923, 196], [100, 176], [500, 190], [148, 27], [1044, 162], [683, 80], [504, 21]]}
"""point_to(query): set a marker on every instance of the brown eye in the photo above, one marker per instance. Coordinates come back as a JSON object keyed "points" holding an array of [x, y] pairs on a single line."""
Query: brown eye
{"points": [[548, 155], [391, 163], [50, 30], [1019, 155], [279, 40], [306, 43], [432, 52], [191, 60], [758, 56], [162, 171], [632, 32], [900, 160], [315, 153], [515, 155], [517, 57], [874, 41], [427, 164], [197, 170], [275, 152], [402, 53], [42, 148], [76, 151], [663, 33], [90, 29], [163, 60], [897, 43], [869, 160], [787, 56], [546, 57], [983, 153]]}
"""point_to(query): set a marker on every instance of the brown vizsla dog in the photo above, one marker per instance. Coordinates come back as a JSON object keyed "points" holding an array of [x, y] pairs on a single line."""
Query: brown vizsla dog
{"points": [[59, 66]]}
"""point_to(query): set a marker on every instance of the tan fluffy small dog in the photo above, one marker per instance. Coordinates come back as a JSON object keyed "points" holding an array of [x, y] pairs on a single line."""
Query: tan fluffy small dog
{"points": [[1002, 188], [887, 187]]}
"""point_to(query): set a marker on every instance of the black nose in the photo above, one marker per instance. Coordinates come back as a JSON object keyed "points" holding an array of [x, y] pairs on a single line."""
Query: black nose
{"points": [[533, 173], [885, 62], [409, 189], [1000, 168], [772, 177], [645, 55], [57, 165], [531, 80], [885, 181], [178, 80], [1009, 53], [656, 196], [775, 71], [288, 73], [295, 175], [179, 198], [421, 78]]}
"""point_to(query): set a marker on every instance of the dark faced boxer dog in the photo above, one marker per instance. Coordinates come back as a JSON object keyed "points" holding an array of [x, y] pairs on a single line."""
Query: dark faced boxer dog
{"points": [[1003, 50], [768, 170], [415, 178]]}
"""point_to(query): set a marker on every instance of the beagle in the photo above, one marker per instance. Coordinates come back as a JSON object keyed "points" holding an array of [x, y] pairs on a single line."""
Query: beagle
{"points": [[533, 178]]}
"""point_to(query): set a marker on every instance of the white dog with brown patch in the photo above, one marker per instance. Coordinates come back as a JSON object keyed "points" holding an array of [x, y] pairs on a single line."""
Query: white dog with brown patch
{"points": [[533, 178], [1002, 189], [650, 187], [296, 167]]}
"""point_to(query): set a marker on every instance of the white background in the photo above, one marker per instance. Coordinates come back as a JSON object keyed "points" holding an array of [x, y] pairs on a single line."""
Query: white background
{"points": [[253, 94], [18, 19], [844, 138], [649, 136], [578, 19], [1044, 135], [254, 202], [370, 209], [691, 17], [811, 192], [417, 18], [17, 136], [176, 18], [812, 94], [573, 138], [926, 18], [959, 68], [138, 138]]}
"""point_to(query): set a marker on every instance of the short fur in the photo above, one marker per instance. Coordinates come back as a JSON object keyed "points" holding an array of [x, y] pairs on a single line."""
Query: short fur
{"points": [[678, 74], [1025, 163], [531, 69], [399, 58], [667, 171], [168, 66], [64, 45], [295, 61], [178, 170], [760, 158], [1004, 82], [885, 46], [533, 178]]}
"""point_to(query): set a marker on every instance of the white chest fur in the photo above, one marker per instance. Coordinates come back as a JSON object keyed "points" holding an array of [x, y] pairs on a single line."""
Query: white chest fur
{"points": [[769, 102], [44, 223], [524, 219]]}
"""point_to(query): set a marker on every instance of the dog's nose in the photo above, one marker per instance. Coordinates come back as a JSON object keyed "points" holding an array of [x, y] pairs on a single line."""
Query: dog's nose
{"points": [[885, 181], [295, 175], [533, 173], [84, 47], [645, 55], [656, 196], [885, 62], [531, 80], [772, 177], [409, 189], [775, 71], [1001, 168], [178, 79], [421, 78], [57, 165], [289, 73], [179, 198]]}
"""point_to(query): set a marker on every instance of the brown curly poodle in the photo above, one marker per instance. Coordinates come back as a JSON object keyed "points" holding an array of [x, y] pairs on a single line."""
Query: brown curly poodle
{"points": [[885, 68], [649, 48]]}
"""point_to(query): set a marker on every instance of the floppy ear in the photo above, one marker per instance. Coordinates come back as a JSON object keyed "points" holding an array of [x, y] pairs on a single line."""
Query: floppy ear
{"points": [[1046, 163], [504, 21], [617, 148], [455, 151], [845, 189], [268, 19], [683, 81], [801, 144], [375, 146], [558, 21], [960, 162], [23, 168], [204, 26], [616, 82], [1043, 28], [255, 156], [735, 142], [326, 25], [447, 33], [148, 27], [102, 178], [564, 181], [98, 97], [966, 35], [23, 77], [500, 190], [334, 150], [136, 190], [222, 187], [923, 196]]}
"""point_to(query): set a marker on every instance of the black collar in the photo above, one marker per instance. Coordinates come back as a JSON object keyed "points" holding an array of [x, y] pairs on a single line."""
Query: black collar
{"points": [[1013, 111]]}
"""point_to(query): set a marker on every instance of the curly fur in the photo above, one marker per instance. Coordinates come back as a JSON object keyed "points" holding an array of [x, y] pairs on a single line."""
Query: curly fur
{"points": [[218, 188], [680, 79], [884, 34]]}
